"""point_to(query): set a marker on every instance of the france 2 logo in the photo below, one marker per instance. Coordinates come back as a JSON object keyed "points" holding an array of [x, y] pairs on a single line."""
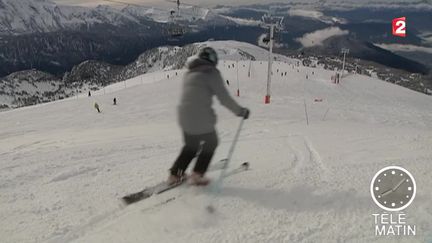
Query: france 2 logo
{"points": [[399, 26]]}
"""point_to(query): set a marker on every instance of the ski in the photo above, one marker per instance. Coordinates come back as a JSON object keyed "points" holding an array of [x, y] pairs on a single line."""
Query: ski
{"points": [[150, 191], [163, 186]]}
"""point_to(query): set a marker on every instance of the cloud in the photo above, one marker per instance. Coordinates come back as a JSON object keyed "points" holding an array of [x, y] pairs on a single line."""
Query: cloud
{"points": [[317, 37], [405, 48], [240, 21], [313, 14], [427, 37], [305, 13]]}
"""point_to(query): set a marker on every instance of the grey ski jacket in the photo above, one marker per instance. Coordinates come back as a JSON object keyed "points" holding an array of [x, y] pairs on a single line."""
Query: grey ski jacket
{"points": [[201, 82]]}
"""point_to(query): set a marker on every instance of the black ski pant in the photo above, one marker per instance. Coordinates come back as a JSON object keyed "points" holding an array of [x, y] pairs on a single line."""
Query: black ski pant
{"points": [[202, 145]]}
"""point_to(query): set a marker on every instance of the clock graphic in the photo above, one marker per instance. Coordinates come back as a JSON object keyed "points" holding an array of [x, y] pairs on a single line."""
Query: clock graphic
{"points": [[393, 188]]}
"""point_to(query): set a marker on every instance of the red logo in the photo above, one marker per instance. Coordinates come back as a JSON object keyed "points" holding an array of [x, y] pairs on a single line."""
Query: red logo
{"points": [[399, 27]]}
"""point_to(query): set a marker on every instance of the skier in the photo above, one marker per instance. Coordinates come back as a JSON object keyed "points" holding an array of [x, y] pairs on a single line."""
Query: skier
{"points": [[89, 94], [115, 101], [96, 106], [196, 117]]}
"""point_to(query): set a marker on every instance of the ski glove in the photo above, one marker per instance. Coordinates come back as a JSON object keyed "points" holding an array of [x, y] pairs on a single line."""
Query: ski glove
{"points": [[244, 113]]}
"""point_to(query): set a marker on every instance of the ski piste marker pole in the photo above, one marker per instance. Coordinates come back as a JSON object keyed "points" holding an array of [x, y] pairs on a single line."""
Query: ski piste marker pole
{"points": [[218, 185]]}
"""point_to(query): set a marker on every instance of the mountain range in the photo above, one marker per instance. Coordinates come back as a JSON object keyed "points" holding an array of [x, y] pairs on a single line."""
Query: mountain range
{"points": [[32, 86], [36, 16], [50, 51], [53, 38]]}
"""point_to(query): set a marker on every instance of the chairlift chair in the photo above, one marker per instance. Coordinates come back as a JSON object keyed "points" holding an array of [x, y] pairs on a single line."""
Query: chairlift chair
{"points": [[266, 39]]}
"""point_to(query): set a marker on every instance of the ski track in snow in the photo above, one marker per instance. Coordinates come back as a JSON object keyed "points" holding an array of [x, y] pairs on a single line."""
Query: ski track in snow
{"points": [[63, 171]]}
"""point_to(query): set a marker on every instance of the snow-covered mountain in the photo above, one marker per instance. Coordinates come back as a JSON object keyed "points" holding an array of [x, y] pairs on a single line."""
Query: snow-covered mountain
{"points": [[28, 88], [92, 75], [365, 51], [32, 16], [173, 57], [332, 4], [313, 152], [53, 38]]}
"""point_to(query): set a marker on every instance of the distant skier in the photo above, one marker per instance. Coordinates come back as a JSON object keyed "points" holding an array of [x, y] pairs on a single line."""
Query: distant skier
{"points": [[89, 94], [96, 106], [196, 117], [115, 101], [227, 82]]}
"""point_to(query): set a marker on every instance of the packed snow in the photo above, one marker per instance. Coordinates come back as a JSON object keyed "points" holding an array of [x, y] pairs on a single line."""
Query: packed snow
{"points": [[313, 152]]}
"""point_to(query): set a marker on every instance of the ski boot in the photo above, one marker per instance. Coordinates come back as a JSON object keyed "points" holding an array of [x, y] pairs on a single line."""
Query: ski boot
{"points": [[198, 179]]}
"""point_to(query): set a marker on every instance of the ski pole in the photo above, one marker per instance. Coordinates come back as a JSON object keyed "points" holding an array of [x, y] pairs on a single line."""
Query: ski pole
{"points": [[218, 185]]}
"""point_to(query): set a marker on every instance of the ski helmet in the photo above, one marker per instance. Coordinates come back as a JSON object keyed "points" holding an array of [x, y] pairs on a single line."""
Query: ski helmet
{"points": [[209, 54]]}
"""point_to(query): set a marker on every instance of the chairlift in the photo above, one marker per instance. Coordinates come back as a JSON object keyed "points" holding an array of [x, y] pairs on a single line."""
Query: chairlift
{"points": [[179, 25], [269, 20], [266, 39], [175, 30]]}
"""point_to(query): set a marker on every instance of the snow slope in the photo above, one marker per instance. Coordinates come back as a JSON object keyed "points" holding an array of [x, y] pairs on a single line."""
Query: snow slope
{"points": [[63, 166]]}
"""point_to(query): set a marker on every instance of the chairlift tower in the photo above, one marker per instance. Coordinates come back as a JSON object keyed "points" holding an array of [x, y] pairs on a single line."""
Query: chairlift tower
{"points": [[273, 23], [270, 62], [344, 51]]}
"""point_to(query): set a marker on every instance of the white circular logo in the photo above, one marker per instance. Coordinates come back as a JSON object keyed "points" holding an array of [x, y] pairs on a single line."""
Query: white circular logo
{"points": [[393, 188]]}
